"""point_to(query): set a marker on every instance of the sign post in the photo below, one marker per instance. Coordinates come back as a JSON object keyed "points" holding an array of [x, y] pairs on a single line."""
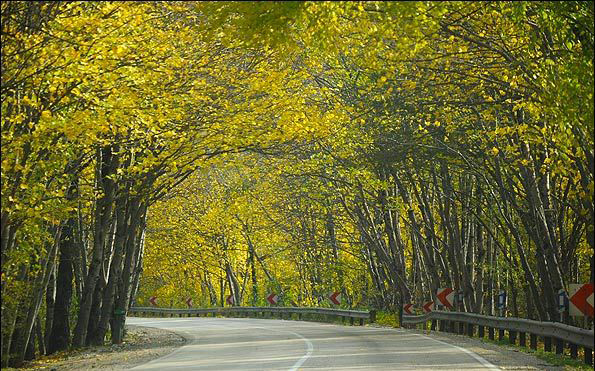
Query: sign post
{"points": [[459, 300], [562, 303], [502, 302]]}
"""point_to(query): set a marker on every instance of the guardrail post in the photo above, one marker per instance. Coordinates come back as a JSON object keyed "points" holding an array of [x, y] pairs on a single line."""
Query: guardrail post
{"points": [[372, 316], [512, 337], [480, 331], [522, 339], [351, 321], [361, 321], [500, 334], [461, 328], [470, 329], [589, 356], [559, 346], [533, 341], [547, 344]]}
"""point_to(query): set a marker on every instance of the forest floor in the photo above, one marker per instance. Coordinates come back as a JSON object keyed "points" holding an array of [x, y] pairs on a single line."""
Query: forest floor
{"points": [[141, 344]]}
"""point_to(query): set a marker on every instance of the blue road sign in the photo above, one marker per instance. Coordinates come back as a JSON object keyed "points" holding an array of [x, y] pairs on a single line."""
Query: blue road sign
{"points": [[459, 298], [502, 300], [562, 301]]}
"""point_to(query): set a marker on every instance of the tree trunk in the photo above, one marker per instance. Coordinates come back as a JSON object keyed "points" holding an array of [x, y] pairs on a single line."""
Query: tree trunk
{"points": [[59, 338], [107, 303], [136, 229], [107, 165], [95, 312], [50, 298], [39, 288]]}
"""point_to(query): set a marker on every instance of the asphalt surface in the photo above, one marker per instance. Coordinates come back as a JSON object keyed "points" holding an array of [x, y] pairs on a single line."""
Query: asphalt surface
{"points": [[261, 344]]}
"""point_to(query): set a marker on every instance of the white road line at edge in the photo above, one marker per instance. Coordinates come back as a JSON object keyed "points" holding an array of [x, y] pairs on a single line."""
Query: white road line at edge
{"points": [[481, 360], [305, 357], [301, 361]]}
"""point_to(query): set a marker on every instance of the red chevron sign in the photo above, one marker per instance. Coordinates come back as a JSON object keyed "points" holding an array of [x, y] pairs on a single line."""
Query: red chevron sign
{"points": [[189, 302], [153, 300], [229, 300], [272, 298], [427, 307], [581, 299], [335, 298], [445, 296], [408, 308]]}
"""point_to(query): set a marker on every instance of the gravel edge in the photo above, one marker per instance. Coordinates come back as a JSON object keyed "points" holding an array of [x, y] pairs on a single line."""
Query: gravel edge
{"points": [[502, 356], [141, 345]]}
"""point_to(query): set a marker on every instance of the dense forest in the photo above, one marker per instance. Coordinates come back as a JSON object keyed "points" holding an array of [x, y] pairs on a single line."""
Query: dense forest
{"points": [[205, 149]]}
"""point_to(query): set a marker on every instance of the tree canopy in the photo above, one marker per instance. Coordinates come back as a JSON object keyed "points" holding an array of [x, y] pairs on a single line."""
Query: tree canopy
{"points": [[207, 149]]}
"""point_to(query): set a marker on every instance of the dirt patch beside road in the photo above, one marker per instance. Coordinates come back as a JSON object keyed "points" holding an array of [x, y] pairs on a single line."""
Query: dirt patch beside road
{"points": [[141, 344]]}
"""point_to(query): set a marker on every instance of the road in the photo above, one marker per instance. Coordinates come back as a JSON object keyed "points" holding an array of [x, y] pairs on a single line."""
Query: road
{"points": [[261, 344]]}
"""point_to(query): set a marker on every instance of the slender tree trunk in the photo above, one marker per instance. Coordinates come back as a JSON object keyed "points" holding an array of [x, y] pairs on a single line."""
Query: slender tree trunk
{"points": [[95, 311], [50, 298], [252, 264], [109, 293], [59, 338], [396, 247], [107, 165], [138, 263], [39, 288], [136, 230], [39, 336]]}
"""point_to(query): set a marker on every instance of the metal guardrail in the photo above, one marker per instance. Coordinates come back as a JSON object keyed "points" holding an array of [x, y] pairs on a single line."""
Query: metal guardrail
{"points": [[562, 333], [281, 311]]}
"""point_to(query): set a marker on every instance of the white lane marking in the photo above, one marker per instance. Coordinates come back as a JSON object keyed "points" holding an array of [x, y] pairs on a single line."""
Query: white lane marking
{"points": [[309, 344], [193, 339], [481, 360], [301, 361]]}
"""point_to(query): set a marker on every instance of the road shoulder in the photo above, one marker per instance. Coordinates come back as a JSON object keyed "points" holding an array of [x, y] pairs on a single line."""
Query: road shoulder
{"points": [[141, 344], [504, 357]]}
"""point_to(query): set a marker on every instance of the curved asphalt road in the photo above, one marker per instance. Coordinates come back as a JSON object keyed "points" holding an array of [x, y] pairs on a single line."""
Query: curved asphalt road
{"points": [[261, 344]]}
